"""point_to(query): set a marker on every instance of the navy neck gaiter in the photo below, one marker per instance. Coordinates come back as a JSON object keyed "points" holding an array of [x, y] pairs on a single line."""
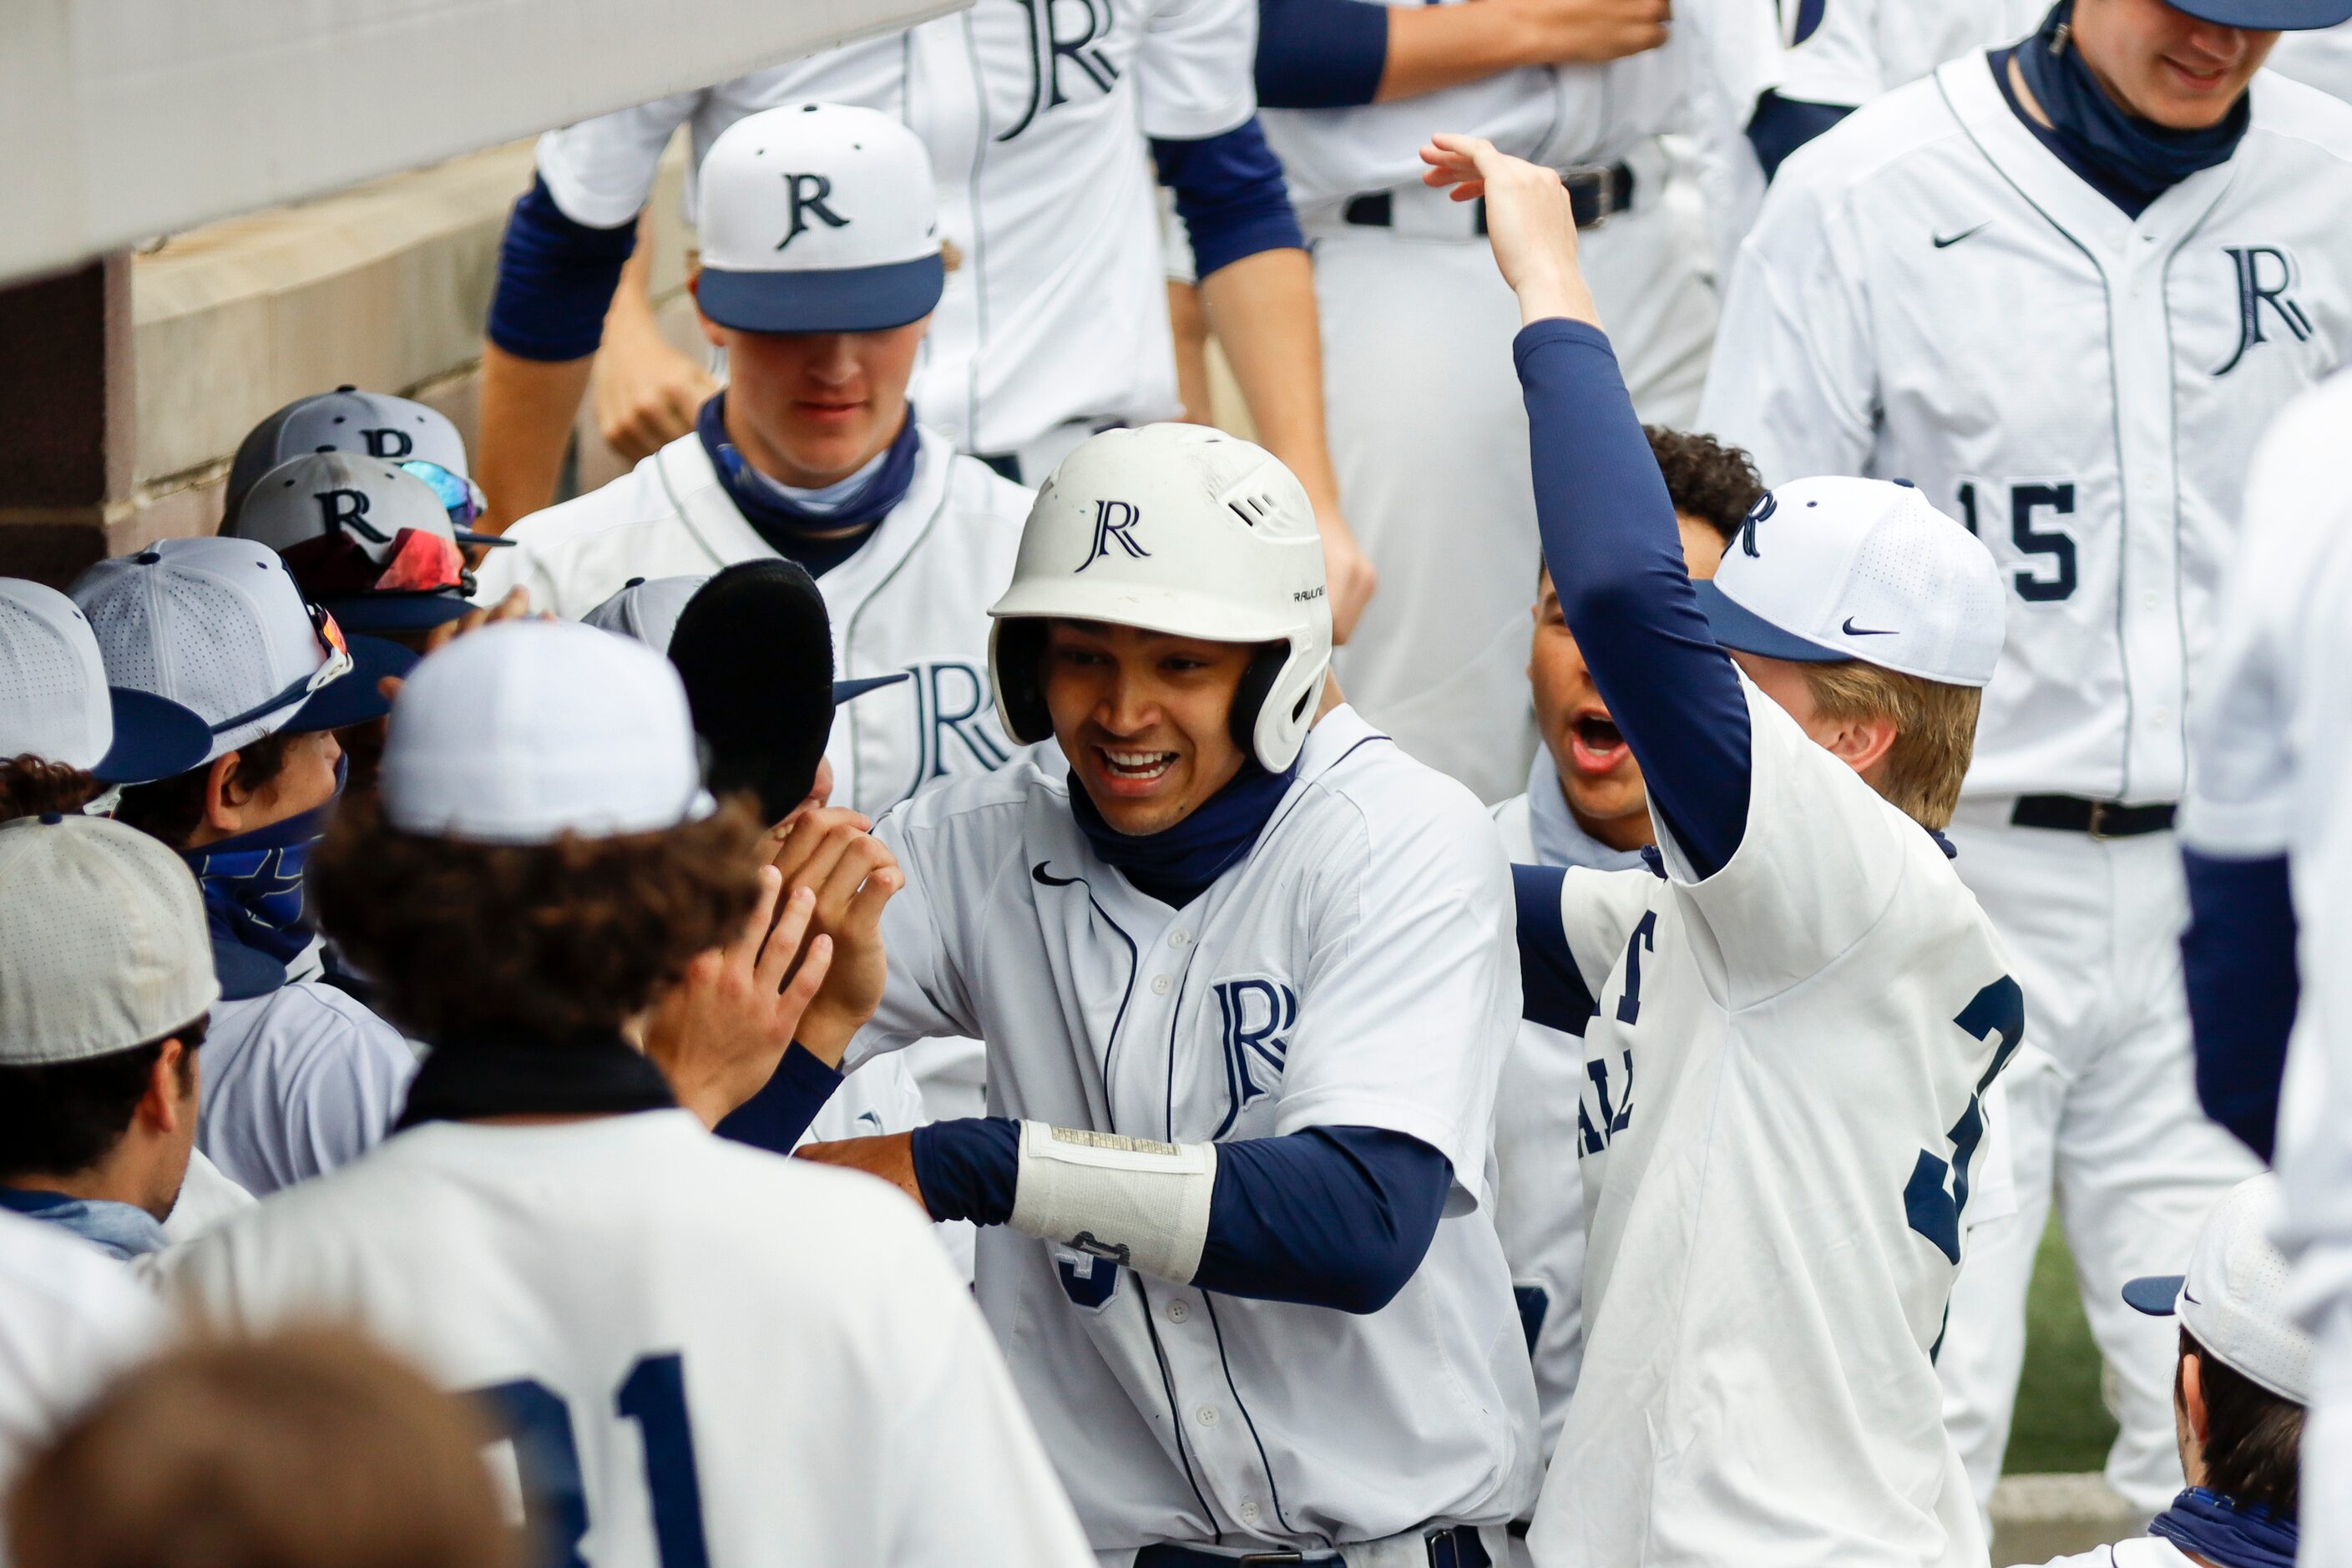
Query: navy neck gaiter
{"points": [[2128, 159], [1177, 864], [2226, 1533], [794, 530], [253, 883]]}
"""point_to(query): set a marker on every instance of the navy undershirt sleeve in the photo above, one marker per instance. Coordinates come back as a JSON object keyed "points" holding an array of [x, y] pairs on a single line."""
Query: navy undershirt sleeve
{"points": [[1616, 556], [2237, 960], [1320, 54], [1551, 988], [556, 280], [1781, 125], [1231, 195], [775, 1118], [1330, 1216]]}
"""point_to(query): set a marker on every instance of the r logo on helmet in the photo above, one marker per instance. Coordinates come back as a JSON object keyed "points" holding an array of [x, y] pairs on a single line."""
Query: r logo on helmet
{"points": [[1115, 522]]}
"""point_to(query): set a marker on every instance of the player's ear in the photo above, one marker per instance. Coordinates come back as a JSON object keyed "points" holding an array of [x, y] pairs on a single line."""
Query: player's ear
{"points": [[712, 333], [1861, 743]]}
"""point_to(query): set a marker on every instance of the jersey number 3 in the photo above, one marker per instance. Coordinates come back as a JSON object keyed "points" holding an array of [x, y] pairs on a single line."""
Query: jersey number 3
{"points": [[1933, 1207], [555, 1500]]}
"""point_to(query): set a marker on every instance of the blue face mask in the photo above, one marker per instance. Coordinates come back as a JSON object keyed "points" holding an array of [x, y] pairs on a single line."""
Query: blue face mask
{"points": [[253, 883], [2132, 161]]}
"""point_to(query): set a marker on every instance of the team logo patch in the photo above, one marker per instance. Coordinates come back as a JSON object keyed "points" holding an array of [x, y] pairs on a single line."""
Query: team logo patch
{"points": [[1115, 526], [955, 721], [1765, 507], [349, 510], [1257, 1015], [2265, 277], [389, 444], [808, 194], [1050, 47]]}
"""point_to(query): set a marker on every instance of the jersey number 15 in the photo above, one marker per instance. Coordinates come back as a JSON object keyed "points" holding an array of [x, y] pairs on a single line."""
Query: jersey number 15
{"points": [[2054, 546], [547, 1457]]}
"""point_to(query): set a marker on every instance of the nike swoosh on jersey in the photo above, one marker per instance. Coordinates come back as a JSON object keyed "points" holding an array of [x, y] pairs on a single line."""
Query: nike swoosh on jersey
{"points": [[1942, 240], [1854, 631], [1039, 874]]}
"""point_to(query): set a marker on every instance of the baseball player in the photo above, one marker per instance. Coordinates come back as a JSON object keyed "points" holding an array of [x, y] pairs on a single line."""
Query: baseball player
{"points": [[1423, 426], [397, 431], [703, 1354], [2155, 227], [67, 737], [1584, 806], [2239, 1384], [1789, 1019], [302, 1076], [1029, 115], [2263, 833], [68, 1321], [1244, 983]]}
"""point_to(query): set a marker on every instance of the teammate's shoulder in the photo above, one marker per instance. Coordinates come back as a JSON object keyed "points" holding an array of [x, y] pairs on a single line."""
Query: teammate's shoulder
{"points": [[1514, 823], [974, 487], [1350, 766], [969, 801], [312, 1013], [1880, 137], [634, 500], [2294, 111]]}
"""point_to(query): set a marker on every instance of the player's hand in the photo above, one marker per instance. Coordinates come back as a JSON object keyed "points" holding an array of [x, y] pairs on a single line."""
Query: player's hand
{"points": [[515, 607], [853, 874], [891, 1157], [1348, 570], [1588, 32], [646, 394], [1529, 223], [720, 1032]]}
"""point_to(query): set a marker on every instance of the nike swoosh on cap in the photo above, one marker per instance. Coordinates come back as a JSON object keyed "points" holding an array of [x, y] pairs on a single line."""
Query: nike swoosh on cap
{"points": [[1851, 630], [1942, 240]]}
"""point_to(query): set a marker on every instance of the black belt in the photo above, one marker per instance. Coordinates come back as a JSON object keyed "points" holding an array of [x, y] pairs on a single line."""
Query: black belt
{"points": [[1593, 196], [2099, 818], [1458, 1547]]}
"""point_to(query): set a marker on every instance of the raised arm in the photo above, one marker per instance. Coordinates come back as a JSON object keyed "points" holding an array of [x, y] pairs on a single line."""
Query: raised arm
{"points": [[1336, 54], [1608, 525]]}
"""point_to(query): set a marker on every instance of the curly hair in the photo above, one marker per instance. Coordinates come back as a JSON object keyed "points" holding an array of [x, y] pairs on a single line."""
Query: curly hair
{"points": [[1708, 479], [32, 787], [553, 940]]}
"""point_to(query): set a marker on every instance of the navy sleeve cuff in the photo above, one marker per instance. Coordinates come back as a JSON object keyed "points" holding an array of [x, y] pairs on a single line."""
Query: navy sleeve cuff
{"points": [[1781, 125], [1230, 192], [556, 280], [2238, 961], [1327, 1216], [777, 1116], [1320, 54], [969, 1168], [1551, 988]]}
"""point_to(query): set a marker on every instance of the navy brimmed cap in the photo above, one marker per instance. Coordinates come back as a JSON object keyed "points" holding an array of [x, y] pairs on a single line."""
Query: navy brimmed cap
{"points": [[1829, 570], [754, 646], [2268, 15], [818, 218], [2233, 1299], [56, 703]]}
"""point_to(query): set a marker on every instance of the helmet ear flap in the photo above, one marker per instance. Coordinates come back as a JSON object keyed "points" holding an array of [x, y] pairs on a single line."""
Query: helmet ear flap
{"points": [[1016, 660], [1249, 696]]}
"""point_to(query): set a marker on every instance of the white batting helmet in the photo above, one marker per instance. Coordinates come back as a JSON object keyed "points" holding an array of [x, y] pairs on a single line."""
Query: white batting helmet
{"points": [[1180, 528]]}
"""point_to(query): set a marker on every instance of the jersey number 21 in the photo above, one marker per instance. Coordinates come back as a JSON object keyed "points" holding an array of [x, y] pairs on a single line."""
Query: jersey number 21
{"points": [[555, 1500]]}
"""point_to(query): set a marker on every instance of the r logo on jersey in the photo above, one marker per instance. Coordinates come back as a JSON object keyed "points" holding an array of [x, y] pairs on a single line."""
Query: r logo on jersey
{"points": [[1049, 46], [807, 193], [1258, 1015], [1115, 523], [2265, 274], [955, 723]]}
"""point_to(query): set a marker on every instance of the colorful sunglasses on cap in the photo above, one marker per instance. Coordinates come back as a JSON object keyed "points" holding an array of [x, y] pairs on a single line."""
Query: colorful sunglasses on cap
{"points": [[461, 497]]}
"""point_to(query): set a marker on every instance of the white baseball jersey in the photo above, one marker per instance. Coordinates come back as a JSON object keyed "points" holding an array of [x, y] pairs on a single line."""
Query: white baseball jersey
{"points": [[2321, 58], [297, 1081], [1561, 116], [1354, 970], [2139, 1552], [1856, 49], [724, 1356], [1779, 1125], [1035, 115], [71, 1318], [2096, 438], [915, 597]]}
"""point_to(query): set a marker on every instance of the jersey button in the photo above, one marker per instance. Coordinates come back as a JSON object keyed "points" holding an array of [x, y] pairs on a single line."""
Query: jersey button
{"points": [[1179, 937], [1159, 983], [1178, 1312], [1208, 1415], [1248, 1512]]}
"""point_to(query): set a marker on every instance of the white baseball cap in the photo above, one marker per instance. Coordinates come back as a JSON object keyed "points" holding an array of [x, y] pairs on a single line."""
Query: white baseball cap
{"points": [[102, 940], [2232, 1299], [390, 430], [527, 730], [368, 540], [818, 218], [1831, 569], [55, 704], [219, 626]]}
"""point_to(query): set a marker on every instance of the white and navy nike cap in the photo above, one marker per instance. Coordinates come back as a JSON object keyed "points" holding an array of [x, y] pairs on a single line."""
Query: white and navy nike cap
{"points": [[56, 703], [818, 218], [527, 730], [2233, 1298], [1827, 570], [219, 626], [371, 424], [2269, 15]]}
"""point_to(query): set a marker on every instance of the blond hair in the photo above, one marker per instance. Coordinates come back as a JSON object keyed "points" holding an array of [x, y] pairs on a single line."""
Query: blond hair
{"points": [[1935, 732]]}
